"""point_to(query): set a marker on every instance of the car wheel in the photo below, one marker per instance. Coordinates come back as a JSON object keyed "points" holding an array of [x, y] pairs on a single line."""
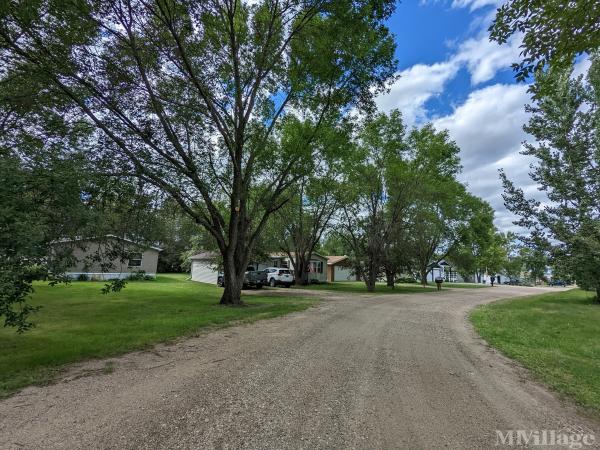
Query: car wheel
{"points": [[288, 285], [272, 282], [259, 286]]}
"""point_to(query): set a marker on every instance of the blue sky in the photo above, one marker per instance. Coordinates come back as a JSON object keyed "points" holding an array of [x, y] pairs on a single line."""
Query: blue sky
{"points": [[453, 76]]}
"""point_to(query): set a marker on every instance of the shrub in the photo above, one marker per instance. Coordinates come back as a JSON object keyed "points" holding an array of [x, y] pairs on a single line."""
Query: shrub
{"points": [[138, 275]]}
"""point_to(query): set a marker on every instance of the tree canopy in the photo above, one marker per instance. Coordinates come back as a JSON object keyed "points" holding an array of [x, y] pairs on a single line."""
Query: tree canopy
{"points": [[565, 121], [554, 31], [194, 97]]}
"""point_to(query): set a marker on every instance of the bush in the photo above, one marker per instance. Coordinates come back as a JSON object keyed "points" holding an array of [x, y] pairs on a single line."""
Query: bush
{"points": [[138, 275], [83, 277], [405, 280]]}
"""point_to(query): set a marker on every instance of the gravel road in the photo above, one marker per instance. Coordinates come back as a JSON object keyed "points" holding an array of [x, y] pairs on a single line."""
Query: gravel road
{"points": [[357, 371]]}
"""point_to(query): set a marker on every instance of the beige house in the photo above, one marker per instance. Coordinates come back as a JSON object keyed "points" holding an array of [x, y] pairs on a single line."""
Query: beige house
{"points": [[109, 259]]}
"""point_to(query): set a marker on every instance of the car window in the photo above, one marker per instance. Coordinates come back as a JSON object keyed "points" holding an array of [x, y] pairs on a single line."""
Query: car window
{"points": [[282, 272]]}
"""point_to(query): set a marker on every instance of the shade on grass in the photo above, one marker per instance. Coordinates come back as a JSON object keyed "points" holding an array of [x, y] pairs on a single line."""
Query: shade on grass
{"points": [[78, 322], [556, 336]]}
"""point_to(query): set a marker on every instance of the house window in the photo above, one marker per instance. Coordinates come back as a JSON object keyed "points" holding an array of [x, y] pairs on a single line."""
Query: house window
{"points": [[284, 264], [316, 267], [135, 260]]}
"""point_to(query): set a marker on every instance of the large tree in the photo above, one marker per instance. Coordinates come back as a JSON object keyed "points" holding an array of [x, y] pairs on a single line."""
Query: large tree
{"points": [[313, 202], [476, 238], [565, 122], [190, 96], [441, 207], [378, 192]]}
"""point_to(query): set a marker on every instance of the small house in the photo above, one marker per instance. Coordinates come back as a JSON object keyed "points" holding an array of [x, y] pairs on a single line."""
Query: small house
{"points": [[109, 258]]}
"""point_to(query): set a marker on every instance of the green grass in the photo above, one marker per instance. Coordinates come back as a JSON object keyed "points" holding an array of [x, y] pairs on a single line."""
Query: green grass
{"points": [[556, 336], [359, 287], [77, 322]]}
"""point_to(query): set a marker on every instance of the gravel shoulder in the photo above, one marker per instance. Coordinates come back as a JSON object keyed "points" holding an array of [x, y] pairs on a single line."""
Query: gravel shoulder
{"points": [[356, 371]]}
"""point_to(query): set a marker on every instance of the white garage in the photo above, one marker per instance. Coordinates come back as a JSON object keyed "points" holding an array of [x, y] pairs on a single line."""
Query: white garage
{"points": [[339, 269], [203, 268]]}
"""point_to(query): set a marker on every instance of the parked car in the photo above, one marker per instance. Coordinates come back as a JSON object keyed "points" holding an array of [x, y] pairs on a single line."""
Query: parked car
{"points": [[252, 278], [277, 276], [561, 283]]}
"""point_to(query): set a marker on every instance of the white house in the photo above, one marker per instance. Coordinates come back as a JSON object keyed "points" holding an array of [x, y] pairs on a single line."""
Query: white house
{"points": [[444, 269]]}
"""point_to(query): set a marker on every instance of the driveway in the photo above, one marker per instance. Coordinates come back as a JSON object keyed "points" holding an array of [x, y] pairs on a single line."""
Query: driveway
{"points": [[357, 371]]}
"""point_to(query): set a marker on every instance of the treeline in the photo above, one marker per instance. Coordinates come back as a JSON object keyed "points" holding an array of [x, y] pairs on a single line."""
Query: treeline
{"points": [[393, 203]]}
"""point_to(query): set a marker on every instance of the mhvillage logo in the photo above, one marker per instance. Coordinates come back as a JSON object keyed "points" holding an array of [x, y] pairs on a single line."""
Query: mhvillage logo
{"points": [[567, 438]]}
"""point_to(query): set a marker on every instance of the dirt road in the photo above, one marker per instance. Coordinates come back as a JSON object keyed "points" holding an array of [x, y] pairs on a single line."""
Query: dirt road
{"points": [[388, 371]]}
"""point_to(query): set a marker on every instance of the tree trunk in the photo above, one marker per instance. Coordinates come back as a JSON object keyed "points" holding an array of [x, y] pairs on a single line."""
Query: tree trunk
{"points": [[358, 272], [234, 270], [370, 280], [300, 273], [423, 277], [390, 277], [598, 294]]}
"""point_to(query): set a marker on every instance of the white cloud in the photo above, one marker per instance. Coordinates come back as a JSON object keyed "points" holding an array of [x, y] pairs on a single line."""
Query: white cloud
{"points": [[581, 67], [475, 4], [489, 123], [416, 85], [488, 130], [484, 58], [419, 83]]}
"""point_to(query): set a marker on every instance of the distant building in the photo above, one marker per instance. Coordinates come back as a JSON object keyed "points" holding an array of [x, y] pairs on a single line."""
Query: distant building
{"points": [[445, 270], [109, 258]]}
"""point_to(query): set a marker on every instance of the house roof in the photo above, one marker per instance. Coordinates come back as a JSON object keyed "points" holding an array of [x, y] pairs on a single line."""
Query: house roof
{"points": [[204, 256], [440, 263], [333, 260], [284, 255], [111, 236]]}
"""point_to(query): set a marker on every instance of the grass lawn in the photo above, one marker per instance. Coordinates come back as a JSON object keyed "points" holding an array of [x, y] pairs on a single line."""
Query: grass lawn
{"points": [[78, 322], [555, 335], [359, 287]]}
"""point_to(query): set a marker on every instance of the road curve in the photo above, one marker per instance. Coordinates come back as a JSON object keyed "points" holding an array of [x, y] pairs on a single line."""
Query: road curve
{"points": [[357, 371]]}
